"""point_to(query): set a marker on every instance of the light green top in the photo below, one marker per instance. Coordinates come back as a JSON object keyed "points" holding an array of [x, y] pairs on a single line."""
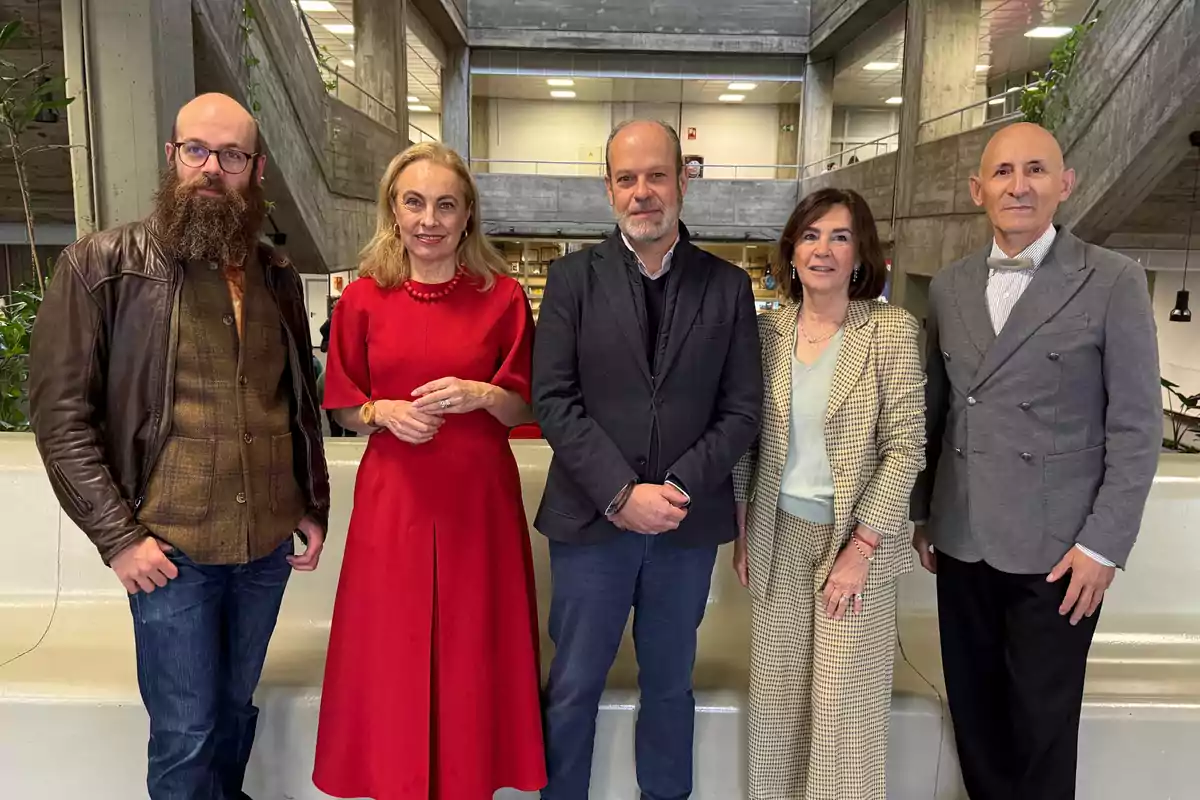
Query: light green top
{"points": [[806, 490]]}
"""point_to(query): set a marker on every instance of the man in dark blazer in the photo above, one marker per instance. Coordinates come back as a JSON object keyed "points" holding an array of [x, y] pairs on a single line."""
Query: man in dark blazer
{"points": [[647, 383], [1044, 425]]}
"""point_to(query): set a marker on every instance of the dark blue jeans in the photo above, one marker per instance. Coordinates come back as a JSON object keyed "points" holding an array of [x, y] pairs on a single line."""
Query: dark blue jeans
{"points": [[201, 642], [594, 587]]}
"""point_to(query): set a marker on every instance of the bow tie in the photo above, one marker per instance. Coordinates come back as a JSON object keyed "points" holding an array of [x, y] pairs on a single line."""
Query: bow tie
{"points": [[1010, 264]]}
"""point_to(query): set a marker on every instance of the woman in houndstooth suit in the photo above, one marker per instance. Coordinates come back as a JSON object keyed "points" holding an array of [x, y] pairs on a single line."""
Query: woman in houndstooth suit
{"points": [[823, 509]]}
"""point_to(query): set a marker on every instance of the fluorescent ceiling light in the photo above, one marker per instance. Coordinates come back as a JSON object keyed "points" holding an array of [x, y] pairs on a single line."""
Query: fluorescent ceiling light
{"points": [[881, 66], [1048, 32], [732, 98], [340, 28], [894, 101], [419, 108], [743, 87], [996, 101], [560, 82], [563, 95], [413, 99], [982, 67], [318, 6], [349, 62]]}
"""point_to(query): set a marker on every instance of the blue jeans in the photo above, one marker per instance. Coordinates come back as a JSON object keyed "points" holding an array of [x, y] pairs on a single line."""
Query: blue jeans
{"points": [[201, 642], [594, 587]]}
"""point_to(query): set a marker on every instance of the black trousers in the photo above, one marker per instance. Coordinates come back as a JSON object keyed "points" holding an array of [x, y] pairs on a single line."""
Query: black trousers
{"points": [[1014, 677]]}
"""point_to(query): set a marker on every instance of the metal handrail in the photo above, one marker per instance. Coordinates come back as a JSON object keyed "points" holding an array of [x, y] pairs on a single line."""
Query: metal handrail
{"points": [[844, 151], [985, 101], [706, 165], [355, 86]]}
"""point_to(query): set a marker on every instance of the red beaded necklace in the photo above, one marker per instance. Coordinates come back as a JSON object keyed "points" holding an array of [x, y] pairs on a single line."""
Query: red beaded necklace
{"points": [[433, 295]]}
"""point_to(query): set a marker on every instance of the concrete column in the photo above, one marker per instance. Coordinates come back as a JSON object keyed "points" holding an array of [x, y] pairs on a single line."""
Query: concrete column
{"points": [[948, 79], [481, 131], [131, 68], [380, 54], [456, 101], [787, 150], [817, 114]]}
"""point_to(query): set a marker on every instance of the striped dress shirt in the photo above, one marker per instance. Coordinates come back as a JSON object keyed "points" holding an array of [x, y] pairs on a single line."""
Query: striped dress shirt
{"points": [[1004, 289]]}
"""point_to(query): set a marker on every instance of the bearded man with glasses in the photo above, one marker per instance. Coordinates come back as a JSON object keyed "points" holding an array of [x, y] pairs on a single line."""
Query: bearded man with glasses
{"points": [[173, 400]]}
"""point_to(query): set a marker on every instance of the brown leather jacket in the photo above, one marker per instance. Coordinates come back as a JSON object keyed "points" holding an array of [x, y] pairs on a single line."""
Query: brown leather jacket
{"points": [[102, 374]]}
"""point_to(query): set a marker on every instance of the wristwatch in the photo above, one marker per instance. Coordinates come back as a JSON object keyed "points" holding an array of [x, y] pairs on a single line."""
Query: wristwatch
{"points": [[367, 413]]}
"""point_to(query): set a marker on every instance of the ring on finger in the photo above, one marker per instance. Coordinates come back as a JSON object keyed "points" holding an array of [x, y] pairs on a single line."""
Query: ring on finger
{"points": [[444, 403]]}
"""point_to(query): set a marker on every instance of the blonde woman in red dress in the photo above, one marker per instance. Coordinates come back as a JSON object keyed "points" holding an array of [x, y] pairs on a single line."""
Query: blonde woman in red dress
{"points": [[431, 683]]}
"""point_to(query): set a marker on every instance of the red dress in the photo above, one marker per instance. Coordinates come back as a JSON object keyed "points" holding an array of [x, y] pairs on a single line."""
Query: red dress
{"points": [[432, 679]]}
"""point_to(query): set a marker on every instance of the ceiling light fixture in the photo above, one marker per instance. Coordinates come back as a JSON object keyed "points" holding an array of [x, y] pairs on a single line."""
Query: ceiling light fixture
{"points": [[982, 67], [317, 6], [349, 62], [420, 108], [560, 82], [881, 66], [894, 101], [1048, 32], [339, 27], [738, 86], [563, 95], [731, 98], [412, 98], [996, 101]]}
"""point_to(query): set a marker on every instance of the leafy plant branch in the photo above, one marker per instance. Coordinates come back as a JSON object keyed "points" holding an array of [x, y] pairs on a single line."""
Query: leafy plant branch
{"points": [[1183, 419], [1047, 101]]}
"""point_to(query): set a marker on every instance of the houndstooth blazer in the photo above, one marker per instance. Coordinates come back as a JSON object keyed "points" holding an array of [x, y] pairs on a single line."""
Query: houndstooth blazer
{"points": [[874, 435]]}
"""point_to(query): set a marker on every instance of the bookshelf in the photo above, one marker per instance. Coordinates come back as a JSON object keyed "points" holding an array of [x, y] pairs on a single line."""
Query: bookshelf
{"points": [[529, 261]]}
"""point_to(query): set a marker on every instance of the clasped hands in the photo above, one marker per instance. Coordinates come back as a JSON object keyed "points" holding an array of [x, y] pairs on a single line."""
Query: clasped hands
{"points": [[651, 509], [417, 422]]}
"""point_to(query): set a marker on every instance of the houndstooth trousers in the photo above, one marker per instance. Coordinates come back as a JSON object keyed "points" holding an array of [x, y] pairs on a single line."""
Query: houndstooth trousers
{"points": [[820, 690]]}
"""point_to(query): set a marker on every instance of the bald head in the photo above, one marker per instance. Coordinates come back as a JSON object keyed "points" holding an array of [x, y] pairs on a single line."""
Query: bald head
{"points": [[219, 114], [1021, 182], [1021, 139]]}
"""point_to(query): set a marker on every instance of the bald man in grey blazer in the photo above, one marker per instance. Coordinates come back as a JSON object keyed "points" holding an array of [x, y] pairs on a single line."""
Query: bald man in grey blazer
{"points": [[1044, 422]]}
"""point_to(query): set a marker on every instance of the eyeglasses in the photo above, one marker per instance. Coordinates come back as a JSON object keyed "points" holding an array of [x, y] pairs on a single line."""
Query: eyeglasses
{"points": [[196, 155]]}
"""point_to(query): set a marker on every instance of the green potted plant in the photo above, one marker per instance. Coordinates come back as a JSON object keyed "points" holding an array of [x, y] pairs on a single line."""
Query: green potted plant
{"points": [[26, 97], [1183, 413]]}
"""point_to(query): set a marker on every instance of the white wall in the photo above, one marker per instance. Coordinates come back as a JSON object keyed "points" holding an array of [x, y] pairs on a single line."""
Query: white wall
{"points": [[428, 122], [1178, 342], [547, 130]]}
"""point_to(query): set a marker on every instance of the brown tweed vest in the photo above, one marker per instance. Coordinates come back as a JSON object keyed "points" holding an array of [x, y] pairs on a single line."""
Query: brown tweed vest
{"points": [[223, 489]]}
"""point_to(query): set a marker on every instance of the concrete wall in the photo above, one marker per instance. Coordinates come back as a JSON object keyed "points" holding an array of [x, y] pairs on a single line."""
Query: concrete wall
{"points": [[753, 210], [679, 25]]}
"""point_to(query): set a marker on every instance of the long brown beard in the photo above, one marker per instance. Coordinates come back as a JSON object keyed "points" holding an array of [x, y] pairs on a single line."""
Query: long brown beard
{"points": [[196, 227]]}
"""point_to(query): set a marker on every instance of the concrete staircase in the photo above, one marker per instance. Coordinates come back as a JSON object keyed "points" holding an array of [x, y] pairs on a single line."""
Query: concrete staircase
{"points": [[68, 684], [325, 158]]}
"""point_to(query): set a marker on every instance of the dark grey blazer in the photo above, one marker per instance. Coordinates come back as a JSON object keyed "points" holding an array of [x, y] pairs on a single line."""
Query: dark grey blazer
{"points": [[1048, 434], [601, 409]]}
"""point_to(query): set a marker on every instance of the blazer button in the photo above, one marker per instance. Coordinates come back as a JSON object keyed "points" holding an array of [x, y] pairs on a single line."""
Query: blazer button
{"points": [[242, 380], [1025, 406], [958, 452], [1053, 356], [248, 438], [1027, 456], [945, 355], [227, 319], [241, 498], [971, 401], [641, 462]]}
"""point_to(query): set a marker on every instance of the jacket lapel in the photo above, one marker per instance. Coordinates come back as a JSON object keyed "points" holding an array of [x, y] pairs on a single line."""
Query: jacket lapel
{"points": [[970, 300], [690, 275], [612, 274], [782, 346], [1056, 282], [857, 334]]}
